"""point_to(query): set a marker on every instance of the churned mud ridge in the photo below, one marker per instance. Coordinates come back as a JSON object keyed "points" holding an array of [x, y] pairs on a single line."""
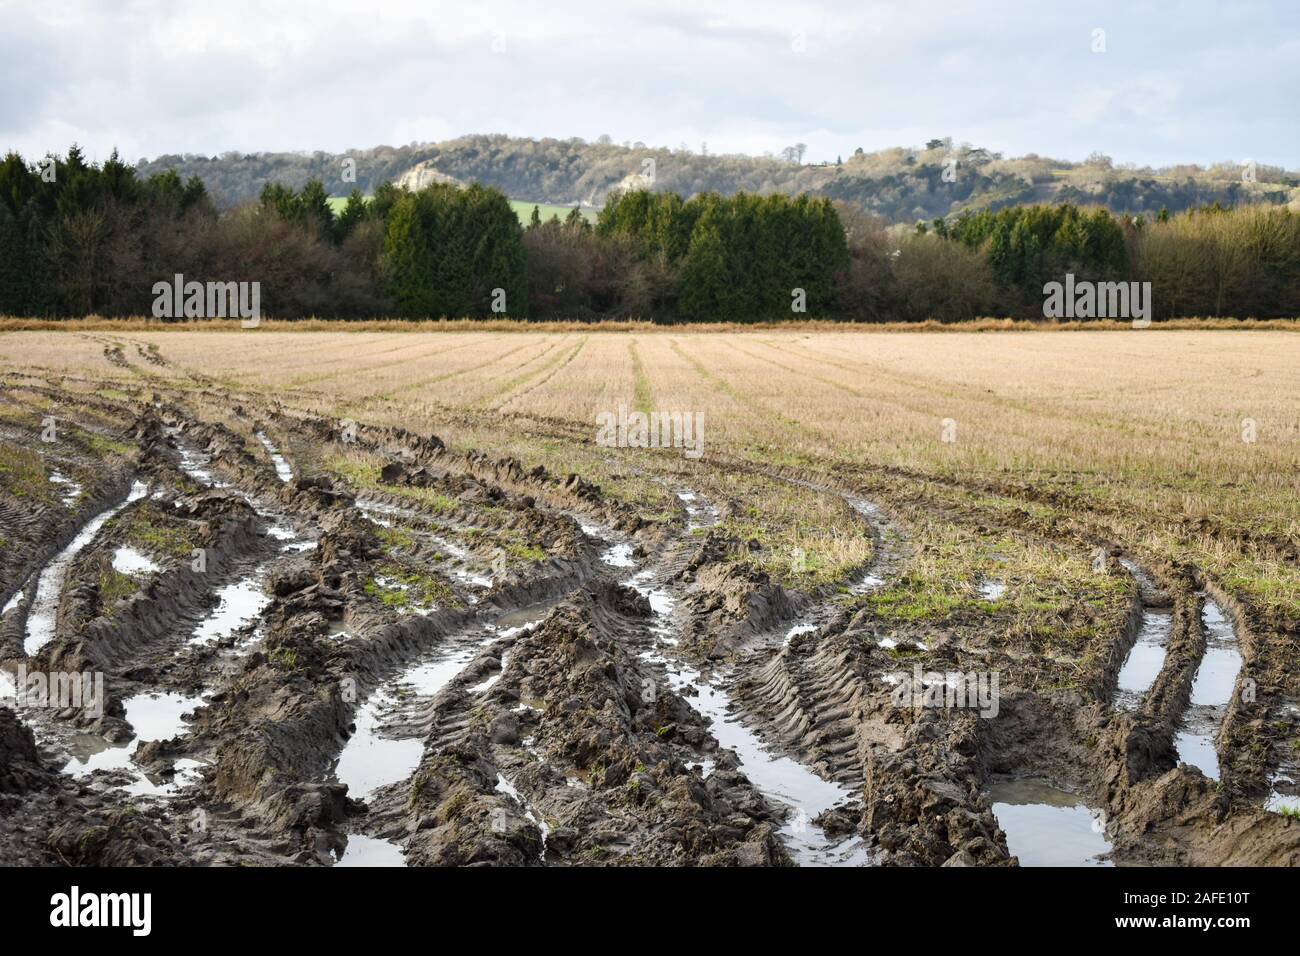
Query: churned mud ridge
{"points": [[825, 697], [133, 642], [149, 352], [230, 457], [732, 605], [96, 411], [33, 531], [29, 553], [605, 760], [1181, 819], [38, 532], [564, 743], [1282, 546], [281, 723], [727, 602], [113, 352], [814, 696], [924, 802]]}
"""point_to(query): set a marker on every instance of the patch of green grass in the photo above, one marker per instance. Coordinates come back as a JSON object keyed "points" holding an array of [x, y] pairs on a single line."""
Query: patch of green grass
{"points": [[150, 530], [525, 552], [22, 475], [643, 394], [398, 538], [106, 446], [404, 587], [916, 600], [522, 207], [524, 210], [285, 658], [113, 586], [362, 472]]}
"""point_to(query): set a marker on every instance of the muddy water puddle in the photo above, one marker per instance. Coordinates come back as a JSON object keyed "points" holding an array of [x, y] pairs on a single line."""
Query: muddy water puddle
{"points": [[619, 556], [130, 561], [153, 716], [372, 758], [14, 601], [1280, 800], [369, 851], [49, 585], [71, 488], [1212, 689], [700, 514], [282, 469], [196, 464], [1145, 659], [238, 605], [1048, 826]]}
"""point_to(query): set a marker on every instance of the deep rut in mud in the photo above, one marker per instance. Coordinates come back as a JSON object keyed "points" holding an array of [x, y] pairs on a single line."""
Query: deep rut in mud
{"points": [[427, 657]]}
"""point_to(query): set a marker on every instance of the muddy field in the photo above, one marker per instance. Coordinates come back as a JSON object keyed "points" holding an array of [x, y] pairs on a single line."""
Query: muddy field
{"points": [[349, 599]]}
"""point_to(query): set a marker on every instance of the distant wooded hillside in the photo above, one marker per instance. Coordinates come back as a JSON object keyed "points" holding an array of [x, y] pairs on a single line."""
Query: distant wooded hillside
{"points": [[899, 185]]}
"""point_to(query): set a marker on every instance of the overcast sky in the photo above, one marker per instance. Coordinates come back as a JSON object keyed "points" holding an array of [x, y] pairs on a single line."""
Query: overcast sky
{"points": [[1195, 81]]}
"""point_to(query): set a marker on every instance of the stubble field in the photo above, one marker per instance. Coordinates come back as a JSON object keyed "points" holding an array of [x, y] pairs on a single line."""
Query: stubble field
{"points": [[438, 622]]}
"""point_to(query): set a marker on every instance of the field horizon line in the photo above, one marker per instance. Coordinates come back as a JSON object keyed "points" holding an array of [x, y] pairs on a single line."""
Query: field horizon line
{"points": [[149, 324]]}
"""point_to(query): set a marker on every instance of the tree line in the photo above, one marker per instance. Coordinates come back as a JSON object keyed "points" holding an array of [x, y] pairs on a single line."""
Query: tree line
{"points": [[79, 238]]}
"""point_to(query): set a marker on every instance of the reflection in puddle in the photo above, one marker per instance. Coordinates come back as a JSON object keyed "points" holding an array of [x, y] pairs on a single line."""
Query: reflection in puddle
{"points": [[370, 759], [619, 556], [367, 851], [1145, 659], [153, 717], [131, 561], [1196, 747], [14, 601], [992, 590], [1279, 802], [282, 469], [73, 489], [1217, 675], [1216, 678], [1047, 826], [237, 605]]}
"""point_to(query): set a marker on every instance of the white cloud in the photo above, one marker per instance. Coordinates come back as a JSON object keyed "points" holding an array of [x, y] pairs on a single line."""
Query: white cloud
{"points": [[1184, 81]]}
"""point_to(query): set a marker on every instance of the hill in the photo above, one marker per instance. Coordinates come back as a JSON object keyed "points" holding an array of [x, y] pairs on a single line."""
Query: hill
{"points": [[901, 185]]}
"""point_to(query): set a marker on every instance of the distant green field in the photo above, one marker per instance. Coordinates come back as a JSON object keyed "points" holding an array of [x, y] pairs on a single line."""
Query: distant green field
{"points": [[523, 209]]}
